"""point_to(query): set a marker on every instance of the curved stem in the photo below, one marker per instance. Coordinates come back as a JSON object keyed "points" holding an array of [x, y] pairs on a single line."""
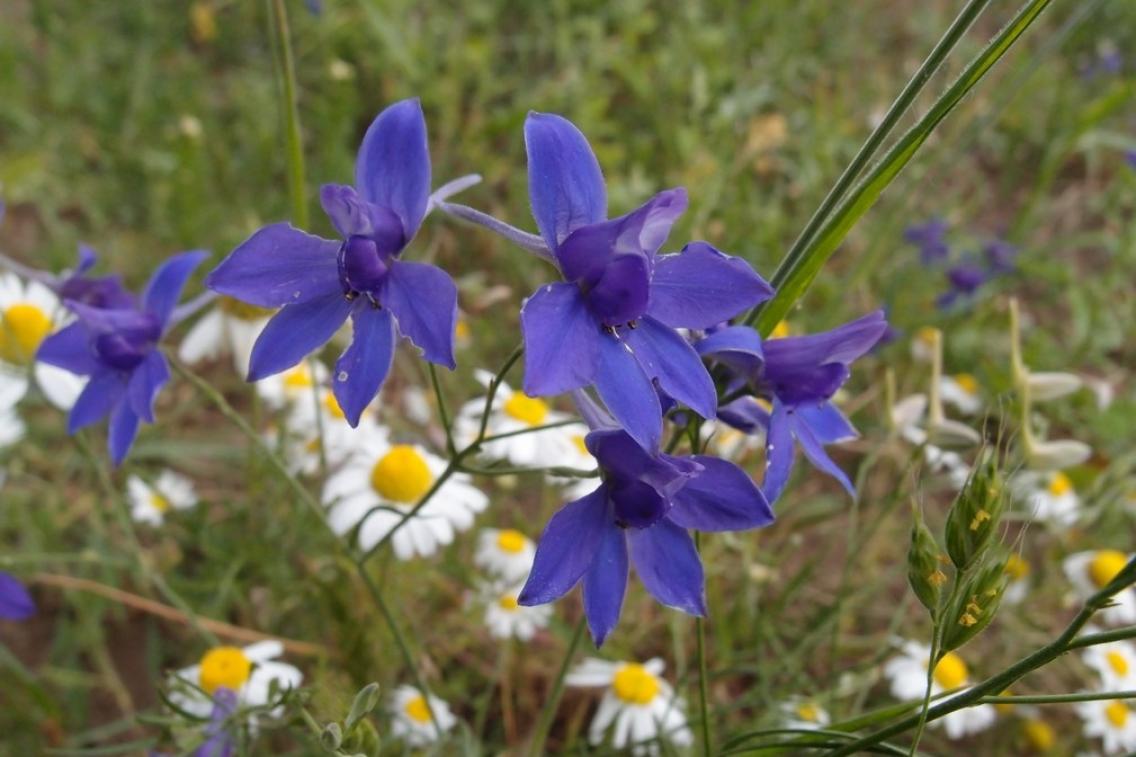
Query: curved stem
{"points": [[548, 711]]}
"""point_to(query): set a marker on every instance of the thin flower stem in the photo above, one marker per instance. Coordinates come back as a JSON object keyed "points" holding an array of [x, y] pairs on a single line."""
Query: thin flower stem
{"points": [[286, 71], [553, 471], [703, 673], [321, 447], [443, 413], [529, 430], [860, 161], [1091, 696], [548, 711]]}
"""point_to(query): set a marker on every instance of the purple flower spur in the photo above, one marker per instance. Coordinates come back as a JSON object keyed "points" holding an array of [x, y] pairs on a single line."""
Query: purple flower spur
{"points": [[116, 348], [640, 514], [318, 283], [611, 322]]}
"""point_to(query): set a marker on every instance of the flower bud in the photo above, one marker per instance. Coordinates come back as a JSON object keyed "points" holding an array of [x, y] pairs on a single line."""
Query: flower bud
{"points": [[923, 557], [975, 514], [977, 602]]}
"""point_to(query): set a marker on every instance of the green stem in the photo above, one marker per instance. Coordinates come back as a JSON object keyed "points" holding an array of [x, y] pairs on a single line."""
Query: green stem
{"points": [[703, 673], [443, 414], [1093, 696], [286, 72], [548, 711], [898, 108]]}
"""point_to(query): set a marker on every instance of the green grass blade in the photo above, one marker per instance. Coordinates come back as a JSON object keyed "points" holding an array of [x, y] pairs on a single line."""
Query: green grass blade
{"points": [[795, 274]]}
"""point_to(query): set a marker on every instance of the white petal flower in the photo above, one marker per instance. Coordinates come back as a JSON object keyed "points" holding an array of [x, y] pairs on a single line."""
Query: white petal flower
{"points": [[504, 553], [1111, 721], [507, 619], [231, 328], [29, 313], [1048, 497], [638, 706], [410, 717], [249, 672], [1089, 572], [908, 675], [1115, 662], [149, 504], [963, 391], [1049, 386], [281, 390], [12, 428], [804, 714], [317, 411]]}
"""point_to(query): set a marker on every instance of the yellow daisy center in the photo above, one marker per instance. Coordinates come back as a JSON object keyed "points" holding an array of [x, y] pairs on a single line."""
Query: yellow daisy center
{"points": [[401, 475], [417, 710], [224, 666], [299, 377], [331, 405], [951, 671], [508, 602], [1016, 567], [1117, 713], [578, 440], [926, 335], [634, 684], [1104, 566], [1059, 484], [780, 331], [808, 712], [1118, 662], [511, 541], [1039, 735], [967, 382], [526, 409], [243, 310], [24, 327], [159, 503], [461, 330]]}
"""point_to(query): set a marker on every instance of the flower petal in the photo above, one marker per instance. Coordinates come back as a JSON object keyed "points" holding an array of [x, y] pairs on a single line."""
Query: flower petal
{"points": [[146, 381], [779, 452], [561, 340], [352, 215], [392, 169], [840, 345], [721, 498], [567, 547], [827, 423], [424, 301], [362, 368], [701, 287], [296, 331], [587, 250], [566, 185], [15, 602], [616, 452], [121, 432], [278, 265], [627, 391], [605, 583], [69, 349], [97, 399], [164, 290], [814, 451], [670, 359], [669, 567]]}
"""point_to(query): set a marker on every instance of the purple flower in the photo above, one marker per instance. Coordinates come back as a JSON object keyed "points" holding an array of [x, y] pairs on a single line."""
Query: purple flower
{"points": [[799, 375], [640, 514], [318, 283], [1130, 157], [611, 322], [98, 292], [1000, 255], [930, 238], [219, 741], [15, 602], [117, 349], [964, 279]]}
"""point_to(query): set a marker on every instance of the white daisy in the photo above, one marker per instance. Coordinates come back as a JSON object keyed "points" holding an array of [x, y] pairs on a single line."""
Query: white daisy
{"points": [[516, 411], [309, 416], [963, 391], [923, 344], [250, 672], [805, 714], [381, 481], [907, 419], [1091, 571], [505, 553], [507, 619], [149, 504], [1111, 721], [1115, 663], [908, 675], [229, 328], [282, 389], [640, 705], [28, 314], [1017, 579], [411, 719], [12, 428], [1049, 497]]}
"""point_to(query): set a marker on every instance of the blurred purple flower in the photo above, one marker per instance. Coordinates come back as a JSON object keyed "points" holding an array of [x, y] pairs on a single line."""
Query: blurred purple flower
{"points": [[15, 602], [1001, 256], [930, 238], [799, 375], [964, 279], [117, 349], [640, 513], [1130, 157], [611, 322], [97, 292], [318, 283], [219, 741]]}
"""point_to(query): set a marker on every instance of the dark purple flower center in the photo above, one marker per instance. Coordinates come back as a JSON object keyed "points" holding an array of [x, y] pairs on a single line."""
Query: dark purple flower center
{"points": [[636, 504], [619, 294], [125, 348], [101, 292], [362, 266]]}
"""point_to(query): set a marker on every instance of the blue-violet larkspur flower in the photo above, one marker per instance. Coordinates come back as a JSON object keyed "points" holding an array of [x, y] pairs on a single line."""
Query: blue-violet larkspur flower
{"points": [[15, 602]]}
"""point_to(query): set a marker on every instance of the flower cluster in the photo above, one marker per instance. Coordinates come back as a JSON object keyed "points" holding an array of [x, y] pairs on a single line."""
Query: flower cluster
{"points": [[965, 273]]}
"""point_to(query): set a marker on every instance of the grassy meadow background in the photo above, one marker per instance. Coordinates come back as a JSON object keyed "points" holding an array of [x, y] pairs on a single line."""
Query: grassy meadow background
{"points": [[146, 128]]}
